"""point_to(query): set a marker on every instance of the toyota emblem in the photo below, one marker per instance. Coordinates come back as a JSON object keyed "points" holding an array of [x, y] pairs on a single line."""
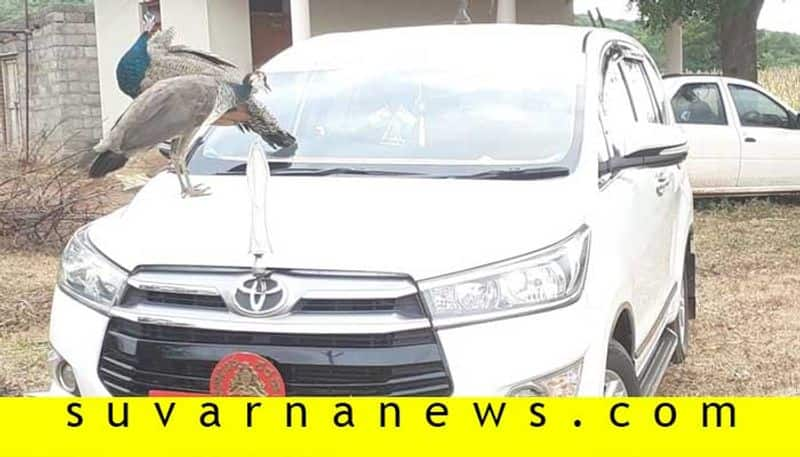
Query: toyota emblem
{"points": [[258, 296]]}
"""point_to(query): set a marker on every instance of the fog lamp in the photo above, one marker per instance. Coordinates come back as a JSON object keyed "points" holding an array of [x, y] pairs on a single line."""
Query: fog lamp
{"points": [[63, 373], [561, 383]]}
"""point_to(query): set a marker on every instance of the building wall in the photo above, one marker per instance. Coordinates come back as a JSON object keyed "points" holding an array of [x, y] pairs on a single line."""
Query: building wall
{"points": [[222, 26], [229, 31], [545, 12], [346, 15], [190, 19], [65, 93], [117, 28]]}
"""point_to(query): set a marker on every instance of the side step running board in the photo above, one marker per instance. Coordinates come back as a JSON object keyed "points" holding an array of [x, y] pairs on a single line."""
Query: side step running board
{"points": [[659, 362]]}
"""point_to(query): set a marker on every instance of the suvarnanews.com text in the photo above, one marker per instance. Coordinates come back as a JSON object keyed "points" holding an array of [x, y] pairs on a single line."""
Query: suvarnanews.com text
{"points": [[386, 414]]}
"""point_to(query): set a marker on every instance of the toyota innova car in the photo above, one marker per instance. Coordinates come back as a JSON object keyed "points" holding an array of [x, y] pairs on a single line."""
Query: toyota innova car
{"points": [[469, 210]]}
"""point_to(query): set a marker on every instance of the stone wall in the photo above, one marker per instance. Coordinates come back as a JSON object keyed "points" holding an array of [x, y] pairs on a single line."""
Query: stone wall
{"points": [[65, 95]]}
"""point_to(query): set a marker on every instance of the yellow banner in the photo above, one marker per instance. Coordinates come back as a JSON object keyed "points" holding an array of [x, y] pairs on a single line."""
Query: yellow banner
{"points": [[384, 427]]}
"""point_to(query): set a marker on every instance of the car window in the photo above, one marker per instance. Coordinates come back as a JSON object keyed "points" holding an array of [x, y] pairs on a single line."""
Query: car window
{"points": [[616, 100], [643, 101], [617, 107], [756, 109], [699, 103], [658, 88]]}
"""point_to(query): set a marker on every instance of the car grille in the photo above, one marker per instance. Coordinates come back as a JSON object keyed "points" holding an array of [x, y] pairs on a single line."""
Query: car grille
{"points": [[137, 358], [134, 296], [408, 306]]}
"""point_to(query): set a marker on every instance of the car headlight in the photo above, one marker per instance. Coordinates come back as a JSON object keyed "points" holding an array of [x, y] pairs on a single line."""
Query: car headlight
{"points": [[548, 278], [89, 276]]}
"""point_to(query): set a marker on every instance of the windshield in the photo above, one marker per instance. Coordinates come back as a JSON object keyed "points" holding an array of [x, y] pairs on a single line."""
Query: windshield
{"points": [[488, 116]]}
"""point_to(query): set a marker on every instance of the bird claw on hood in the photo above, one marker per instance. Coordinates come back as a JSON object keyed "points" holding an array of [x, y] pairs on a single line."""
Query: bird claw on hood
{"points": [[198, 190]]}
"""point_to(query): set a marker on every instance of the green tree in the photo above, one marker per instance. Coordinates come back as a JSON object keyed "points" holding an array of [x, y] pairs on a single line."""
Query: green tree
{"points": [[733, 20], [700, 48]]}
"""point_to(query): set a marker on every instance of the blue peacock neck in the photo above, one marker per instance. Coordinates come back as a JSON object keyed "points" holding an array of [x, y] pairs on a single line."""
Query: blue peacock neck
{"points": [[132, 68]]}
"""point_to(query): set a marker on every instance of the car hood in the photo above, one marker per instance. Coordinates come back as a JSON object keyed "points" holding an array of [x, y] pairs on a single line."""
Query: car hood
{"points": [[421, 227]]}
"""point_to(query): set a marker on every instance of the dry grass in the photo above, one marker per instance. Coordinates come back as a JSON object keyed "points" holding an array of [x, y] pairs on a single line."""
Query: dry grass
{"points": [[783, 82], [26, 287], [23, 362], [746, 340], [27, 277]]}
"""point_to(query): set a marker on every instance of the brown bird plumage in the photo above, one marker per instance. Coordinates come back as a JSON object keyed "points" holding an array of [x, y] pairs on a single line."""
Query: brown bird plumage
{"points": [[179, 108]]}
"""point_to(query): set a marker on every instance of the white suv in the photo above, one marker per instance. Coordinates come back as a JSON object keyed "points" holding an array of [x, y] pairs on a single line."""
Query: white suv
{"points": [[470, 210]]}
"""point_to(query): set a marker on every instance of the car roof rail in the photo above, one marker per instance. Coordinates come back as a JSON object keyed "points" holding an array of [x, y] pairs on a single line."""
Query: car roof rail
{"points": [[675, 75]]}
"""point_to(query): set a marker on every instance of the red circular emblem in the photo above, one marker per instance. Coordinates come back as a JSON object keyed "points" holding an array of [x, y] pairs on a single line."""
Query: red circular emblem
{"points": [[244, 374]]}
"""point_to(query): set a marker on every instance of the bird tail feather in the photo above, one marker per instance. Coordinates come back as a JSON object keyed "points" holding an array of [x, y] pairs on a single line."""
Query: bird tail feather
{"points": [[277, 138], [105, 162]]}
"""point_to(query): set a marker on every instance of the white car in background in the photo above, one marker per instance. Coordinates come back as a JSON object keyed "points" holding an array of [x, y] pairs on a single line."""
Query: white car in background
{"points": [[742, 139]]}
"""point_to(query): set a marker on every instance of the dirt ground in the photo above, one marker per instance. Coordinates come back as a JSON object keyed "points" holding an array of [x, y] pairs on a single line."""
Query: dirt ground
{"points": [[746, 340]]}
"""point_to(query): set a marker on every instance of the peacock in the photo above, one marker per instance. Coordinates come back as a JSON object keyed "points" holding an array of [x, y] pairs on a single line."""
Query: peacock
{"points": [[179, 108], [153, 57]]}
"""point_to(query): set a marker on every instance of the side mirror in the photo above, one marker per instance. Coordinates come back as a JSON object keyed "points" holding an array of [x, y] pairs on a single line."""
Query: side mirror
{"points": [[651, 139], [649, 145], [165, 149]]}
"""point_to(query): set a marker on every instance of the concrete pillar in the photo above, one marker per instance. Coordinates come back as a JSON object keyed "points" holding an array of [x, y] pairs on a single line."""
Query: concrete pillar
{"points": [[190, 19], [117, 27], [219, 26], [673, 43], [545, 12], [229, 31], [301, 20], [506, 11]]}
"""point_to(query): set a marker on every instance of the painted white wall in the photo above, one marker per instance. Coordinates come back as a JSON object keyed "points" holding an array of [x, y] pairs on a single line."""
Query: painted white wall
{"points": [[117, 28], [190, 19], [229, 30]]}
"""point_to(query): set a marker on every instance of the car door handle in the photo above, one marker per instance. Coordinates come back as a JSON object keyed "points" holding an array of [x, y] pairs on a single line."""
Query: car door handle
{"points": [[663, 181], [749, 139]]}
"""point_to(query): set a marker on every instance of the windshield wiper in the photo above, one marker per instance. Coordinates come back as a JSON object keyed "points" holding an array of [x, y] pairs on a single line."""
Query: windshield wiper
{"points": [[301, 171], [520, 174], [289, 169], [242, 168]]}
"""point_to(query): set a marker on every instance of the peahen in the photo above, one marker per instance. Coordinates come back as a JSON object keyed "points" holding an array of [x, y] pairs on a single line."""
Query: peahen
{"points": [[178, 108]]}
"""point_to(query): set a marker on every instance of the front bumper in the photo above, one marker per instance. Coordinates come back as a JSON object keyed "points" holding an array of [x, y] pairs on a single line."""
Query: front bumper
{"points": [[485, 359]]}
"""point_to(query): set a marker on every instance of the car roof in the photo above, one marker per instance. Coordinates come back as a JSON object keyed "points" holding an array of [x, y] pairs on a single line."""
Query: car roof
{"points": [[682, 78], [476, 43], [673, 82]]}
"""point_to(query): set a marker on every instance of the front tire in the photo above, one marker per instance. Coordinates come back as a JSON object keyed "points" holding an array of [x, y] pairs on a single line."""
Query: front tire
{"points": [[620, 376]]}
